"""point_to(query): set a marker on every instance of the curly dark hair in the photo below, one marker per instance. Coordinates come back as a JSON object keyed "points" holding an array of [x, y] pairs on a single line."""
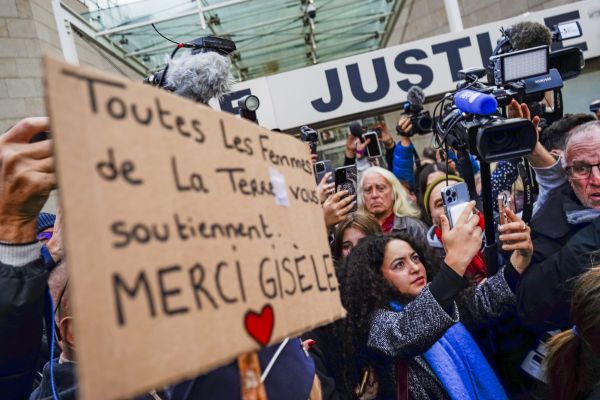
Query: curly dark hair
{"points": [[365, 289]]}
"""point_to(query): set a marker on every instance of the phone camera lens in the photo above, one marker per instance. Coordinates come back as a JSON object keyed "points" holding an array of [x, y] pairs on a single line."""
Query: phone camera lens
{"points": [[448, 192]]}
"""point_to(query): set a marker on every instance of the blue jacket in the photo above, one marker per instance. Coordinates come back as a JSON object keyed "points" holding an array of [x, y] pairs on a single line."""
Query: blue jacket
{"points": [[402, 165]]}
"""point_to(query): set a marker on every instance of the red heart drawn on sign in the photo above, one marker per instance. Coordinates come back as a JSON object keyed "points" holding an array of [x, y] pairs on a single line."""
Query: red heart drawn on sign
{"points": [[260, 326]]}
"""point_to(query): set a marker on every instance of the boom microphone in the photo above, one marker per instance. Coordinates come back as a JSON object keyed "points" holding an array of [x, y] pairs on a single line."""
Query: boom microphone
{"points": [[199, 77], [356, 130], [415, 96], [472, 102]]}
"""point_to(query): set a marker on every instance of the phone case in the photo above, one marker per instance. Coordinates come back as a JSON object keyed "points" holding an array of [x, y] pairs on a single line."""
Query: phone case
{"points": [[505, 200], [346, 179], [455, 199], [373, 148], [321, 168]]}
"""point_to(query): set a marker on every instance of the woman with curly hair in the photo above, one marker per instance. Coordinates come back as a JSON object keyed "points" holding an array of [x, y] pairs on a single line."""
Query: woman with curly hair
{"points": [[327, 351], [573, 360], [403, 312]]}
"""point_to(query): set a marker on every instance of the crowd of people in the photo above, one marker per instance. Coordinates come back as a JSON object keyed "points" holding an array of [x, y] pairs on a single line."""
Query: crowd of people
{"points": [[427, 318], [424, 318]]}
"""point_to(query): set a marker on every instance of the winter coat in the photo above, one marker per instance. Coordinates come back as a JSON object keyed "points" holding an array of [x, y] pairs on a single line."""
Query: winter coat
{"points": [[21, 316], [410, 333], [544, 291]]}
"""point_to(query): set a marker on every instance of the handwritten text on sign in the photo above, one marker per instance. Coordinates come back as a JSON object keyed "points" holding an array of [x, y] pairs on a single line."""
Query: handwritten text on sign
{"points": [[186, 229]]}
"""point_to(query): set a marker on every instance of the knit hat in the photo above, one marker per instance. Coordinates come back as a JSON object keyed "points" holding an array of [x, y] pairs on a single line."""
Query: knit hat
{"points": [[433, 184], [45, 221]]}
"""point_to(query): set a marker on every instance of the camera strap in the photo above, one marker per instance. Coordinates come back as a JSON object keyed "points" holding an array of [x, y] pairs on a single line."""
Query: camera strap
{"points": [[466, 169], [526, 174], [417, 159]]}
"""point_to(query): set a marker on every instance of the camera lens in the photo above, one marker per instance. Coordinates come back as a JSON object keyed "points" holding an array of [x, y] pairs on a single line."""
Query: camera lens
{"points": [[448, 192], [425, 123], [320, 167]]}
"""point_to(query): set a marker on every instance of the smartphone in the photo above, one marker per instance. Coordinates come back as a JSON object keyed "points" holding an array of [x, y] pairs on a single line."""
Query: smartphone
{"points": [[505, 200], [321, 168], [455, 199], [373, 148], [346, 179]]}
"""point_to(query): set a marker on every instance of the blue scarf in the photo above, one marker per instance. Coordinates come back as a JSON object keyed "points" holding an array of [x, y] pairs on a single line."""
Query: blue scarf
{"points": [[460, 366]]}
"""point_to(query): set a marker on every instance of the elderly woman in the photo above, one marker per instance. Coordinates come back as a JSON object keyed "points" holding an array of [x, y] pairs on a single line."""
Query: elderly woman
{"points": [[406, 314], [384, 197]]}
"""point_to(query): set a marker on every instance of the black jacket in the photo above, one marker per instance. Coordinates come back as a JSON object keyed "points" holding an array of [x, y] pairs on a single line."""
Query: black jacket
{"points": [[64, 382], [550, 229], [21, 315], [544, 291]]}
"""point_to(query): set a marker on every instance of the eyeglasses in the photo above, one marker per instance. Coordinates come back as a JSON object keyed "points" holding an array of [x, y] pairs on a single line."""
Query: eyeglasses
{"points": [[44, 236], [581, 170]]}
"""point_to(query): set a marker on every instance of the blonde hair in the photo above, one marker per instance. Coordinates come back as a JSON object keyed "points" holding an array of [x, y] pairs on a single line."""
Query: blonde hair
{"points": [[402, 206]]}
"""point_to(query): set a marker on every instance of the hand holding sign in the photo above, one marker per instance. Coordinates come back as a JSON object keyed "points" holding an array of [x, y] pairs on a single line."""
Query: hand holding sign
{"points": [[193, 256], [27, 177]]}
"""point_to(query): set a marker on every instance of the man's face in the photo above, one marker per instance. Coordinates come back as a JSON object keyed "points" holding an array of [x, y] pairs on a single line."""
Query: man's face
{"points": [[378, 195], [584, 149], [436, 204]]}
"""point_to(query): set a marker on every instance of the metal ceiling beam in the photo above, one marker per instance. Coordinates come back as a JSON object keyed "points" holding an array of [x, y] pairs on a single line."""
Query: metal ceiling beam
{"points": [[352, 41], [130, 27], [391, 22], [86, 29], [170, 46]]}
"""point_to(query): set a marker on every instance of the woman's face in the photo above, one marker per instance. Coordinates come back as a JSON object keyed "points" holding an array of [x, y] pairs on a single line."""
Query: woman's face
{"points": [[402, 267], [350, 238], [378, 195]]}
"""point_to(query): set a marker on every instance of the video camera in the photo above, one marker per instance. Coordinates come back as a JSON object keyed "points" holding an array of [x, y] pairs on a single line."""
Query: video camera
{"points": [[471, 122], [421, 120], [310, 136]]}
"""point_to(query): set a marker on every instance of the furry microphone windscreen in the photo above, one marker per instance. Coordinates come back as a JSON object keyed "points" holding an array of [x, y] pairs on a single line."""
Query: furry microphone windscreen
{"points": [[200, 77], [525, 35], [415, 96]]}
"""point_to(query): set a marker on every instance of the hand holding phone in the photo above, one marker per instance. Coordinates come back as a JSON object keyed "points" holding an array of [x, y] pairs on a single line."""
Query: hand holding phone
{"points": [[515, 236], [455, 198], [505, 200], [321, 169], [463, 241], [346, 179], [373, 148]]}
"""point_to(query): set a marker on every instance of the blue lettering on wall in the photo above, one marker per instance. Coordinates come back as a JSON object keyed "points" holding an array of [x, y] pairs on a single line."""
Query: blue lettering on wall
{"points": [[422, 70], [485, 47], [356, 85], [335, 93], [452, 50]]}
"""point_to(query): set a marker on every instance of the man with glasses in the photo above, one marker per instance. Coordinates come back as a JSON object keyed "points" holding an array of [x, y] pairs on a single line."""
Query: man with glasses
{"points": [[565, 233], [576, 203]]}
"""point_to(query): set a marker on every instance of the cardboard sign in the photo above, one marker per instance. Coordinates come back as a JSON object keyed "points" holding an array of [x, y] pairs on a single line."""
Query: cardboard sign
{"points": [[192, 236]]}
